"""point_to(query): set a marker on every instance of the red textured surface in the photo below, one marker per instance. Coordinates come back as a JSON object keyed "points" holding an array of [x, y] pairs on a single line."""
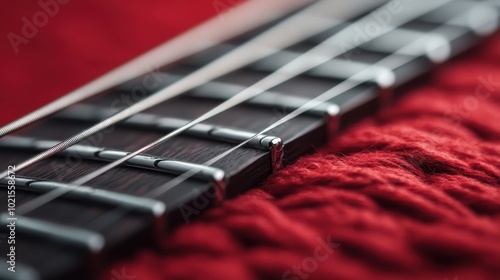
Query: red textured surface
{"points": [[412, 193]]}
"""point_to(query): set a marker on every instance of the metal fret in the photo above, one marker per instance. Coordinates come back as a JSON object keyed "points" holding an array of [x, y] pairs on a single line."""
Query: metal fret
{"points": [[273, 144], [338, 111], [429, 47], [222, 91], [85, 193], [433, 45], [334, 68], [474, 20], [214, 90], [208, 173], [460, 38], [91, 241], [375, 91]]}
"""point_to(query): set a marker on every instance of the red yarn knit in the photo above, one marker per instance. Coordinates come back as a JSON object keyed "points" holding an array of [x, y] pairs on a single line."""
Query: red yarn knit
{"points": [[412, 193]]}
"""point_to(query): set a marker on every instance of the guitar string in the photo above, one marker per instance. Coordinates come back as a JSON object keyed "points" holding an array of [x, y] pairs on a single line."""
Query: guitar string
{"points": [[284, 72], [138, 66], [298, 27]]}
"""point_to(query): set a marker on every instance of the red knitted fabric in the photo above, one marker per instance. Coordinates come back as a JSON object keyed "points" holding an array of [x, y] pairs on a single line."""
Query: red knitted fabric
{"points": [[412, 193]]}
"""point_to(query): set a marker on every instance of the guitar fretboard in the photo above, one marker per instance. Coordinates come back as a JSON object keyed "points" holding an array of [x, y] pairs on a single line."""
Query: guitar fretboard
{"points": [[171, 184]]}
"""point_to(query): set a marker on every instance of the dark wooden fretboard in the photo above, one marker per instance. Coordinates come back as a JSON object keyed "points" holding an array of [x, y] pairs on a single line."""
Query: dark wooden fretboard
{"points": [[67, 237]]}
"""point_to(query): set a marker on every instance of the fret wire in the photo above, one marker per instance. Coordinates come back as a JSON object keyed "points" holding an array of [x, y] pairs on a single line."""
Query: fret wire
{"points": [[264, 44], [312, 58], [351, 82], [277, 77]]}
